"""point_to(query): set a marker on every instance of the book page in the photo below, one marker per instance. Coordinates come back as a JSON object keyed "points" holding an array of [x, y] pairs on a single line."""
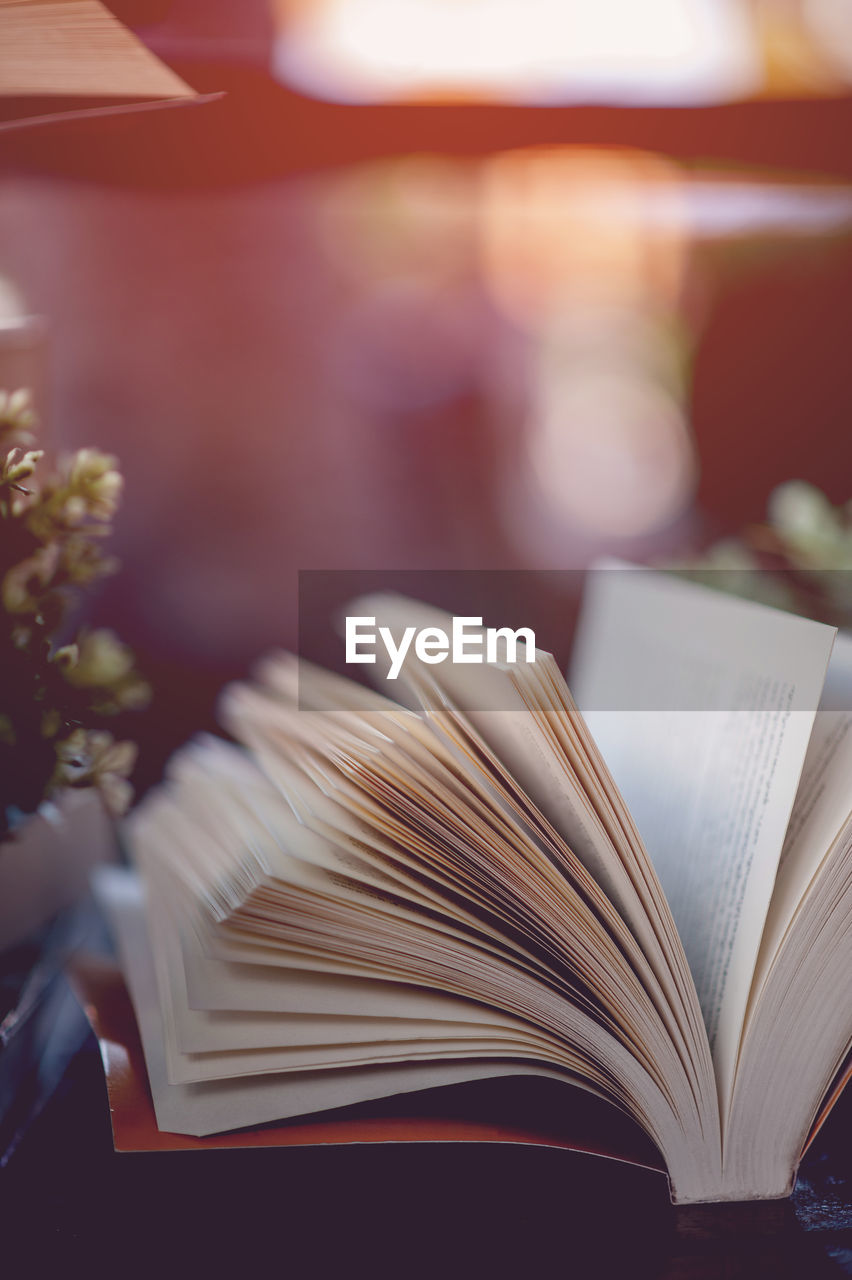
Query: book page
{"points": [[77, 48], [220, 985], [703, 706], [217, 1105], [523, 732], [823, 803], [492, 702]]}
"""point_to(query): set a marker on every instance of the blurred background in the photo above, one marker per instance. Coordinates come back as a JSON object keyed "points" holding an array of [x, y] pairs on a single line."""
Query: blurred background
{"points": [[436, 286]]}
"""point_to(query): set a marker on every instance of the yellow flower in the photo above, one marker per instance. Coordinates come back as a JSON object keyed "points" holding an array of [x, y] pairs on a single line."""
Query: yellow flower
{"points": [[16, 410], [24, 583], [102, 661], [93, 756], [67, 656], [19, 465], [74, 510], [94, 477]]}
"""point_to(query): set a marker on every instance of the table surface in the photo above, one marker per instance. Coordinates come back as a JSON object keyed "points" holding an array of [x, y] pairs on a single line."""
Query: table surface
{"points": [[70, 1204]]}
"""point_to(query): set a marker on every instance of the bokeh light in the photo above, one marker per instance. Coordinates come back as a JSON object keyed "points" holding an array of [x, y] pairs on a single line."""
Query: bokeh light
{"points": [[530, 51]]}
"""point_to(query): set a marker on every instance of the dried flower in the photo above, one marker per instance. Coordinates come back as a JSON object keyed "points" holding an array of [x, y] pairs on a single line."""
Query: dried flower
{"points": [[52, 697], [67, 656], [105, 666], [16, 412], [95, 484], [19, 465], [24, 584], [102, 660], [94, 757]]}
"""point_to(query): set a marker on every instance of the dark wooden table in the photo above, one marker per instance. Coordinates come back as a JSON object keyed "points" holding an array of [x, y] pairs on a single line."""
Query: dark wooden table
{"points": [[69, 1205]]}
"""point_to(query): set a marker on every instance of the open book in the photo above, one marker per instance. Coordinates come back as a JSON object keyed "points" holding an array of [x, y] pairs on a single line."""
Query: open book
{"points": [[73, 58], [651, 901]]}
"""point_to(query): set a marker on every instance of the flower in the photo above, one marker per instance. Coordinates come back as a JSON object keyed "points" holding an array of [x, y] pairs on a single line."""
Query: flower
{"points": [[16, 411], [19, 465], [101, 660], [25, 583], [67, 656], [101, 663], [95, 484], [93, 756], [55, 688]]}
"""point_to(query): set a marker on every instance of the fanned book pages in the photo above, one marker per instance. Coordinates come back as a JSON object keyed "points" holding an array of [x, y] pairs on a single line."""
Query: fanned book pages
{"points": [[650, 901]]}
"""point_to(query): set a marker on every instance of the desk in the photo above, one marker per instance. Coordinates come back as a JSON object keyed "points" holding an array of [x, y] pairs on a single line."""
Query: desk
{"points": [[69, 1205]]}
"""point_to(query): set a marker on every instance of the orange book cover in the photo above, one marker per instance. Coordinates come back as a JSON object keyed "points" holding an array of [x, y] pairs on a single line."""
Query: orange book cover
{"points": [[504, 1111]]}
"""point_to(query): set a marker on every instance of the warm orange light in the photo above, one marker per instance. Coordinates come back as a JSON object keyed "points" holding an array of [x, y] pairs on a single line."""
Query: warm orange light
{"points": [[584, 253], [406, 218], [586, 250], [561, 224], [829, 23]]}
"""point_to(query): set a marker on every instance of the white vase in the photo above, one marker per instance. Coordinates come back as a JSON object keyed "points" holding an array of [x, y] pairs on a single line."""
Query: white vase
{"points": [[45, 867]]}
